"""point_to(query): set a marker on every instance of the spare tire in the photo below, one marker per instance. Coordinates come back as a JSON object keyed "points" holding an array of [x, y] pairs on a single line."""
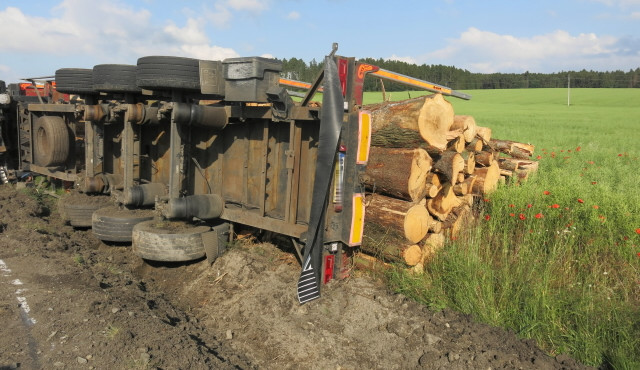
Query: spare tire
{"points": [[169, 241], [75, 81], [166, 73], [119, 78], [51, 141]]}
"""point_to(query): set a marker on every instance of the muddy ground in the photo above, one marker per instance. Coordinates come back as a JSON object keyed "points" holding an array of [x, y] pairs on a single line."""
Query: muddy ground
{"points": [[69, 301]]}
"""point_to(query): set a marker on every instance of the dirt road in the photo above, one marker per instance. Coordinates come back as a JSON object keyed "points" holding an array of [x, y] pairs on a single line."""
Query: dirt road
{"points": [[69, 301]]}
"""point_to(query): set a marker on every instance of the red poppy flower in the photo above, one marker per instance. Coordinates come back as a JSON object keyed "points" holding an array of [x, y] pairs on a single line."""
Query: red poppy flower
{"points": [[601, 216], [512, 214], [593, 182], [539, 157], [487, 217], [522, 217], [512, 205], [529, 205], [638, 231], [555, 206], [546, 192], [538, 215], [487, 200], [619, 155], [578, 149], [638, 254], [595, 206], [580, 200]]}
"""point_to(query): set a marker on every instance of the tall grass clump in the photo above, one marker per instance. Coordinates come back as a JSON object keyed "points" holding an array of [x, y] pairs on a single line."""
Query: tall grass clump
{"points": [[556, 258]]}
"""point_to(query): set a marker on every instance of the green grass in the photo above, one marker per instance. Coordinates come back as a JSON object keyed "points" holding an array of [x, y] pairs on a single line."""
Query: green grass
{"points": [[571, 278]]}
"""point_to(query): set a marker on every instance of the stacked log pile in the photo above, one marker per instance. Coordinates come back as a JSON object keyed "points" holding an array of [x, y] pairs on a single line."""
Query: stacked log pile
{"points": [[426, 167]]}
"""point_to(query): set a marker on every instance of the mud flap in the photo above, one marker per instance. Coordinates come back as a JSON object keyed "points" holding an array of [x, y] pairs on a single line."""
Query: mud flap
{"points": [[329, 138], [215, 241]]}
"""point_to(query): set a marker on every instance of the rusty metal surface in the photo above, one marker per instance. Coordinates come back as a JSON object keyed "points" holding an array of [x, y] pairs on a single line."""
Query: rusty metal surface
{"points": [[58, 108]]}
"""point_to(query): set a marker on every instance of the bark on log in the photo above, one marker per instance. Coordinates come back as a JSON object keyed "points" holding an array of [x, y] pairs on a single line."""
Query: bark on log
{"points": [[512, 148], [458, 220], [467, 124], [486, 179], [475, 145], [435, 120], [457, 144], [449, 164], [404, 220], [401, 173], [469, 162], [484, 159], [397, 124], [508, 164]]}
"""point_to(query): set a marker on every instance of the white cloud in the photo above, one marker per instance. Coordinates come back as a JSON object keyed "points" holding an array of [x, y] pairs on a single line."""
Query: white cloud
{"points": [[191, 33], [635, 15], [204, 51], [250, 5], [220, 17], [105, 32], [293, 15], [484, 51], [409, 60]]}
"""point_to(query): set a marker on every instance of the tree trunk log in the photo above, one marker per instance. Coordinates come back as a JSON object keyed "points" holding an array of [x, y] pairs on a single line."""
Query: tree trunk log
{"points": [[467, 124], [435, 120], [469, 162], [433, 185], [443, 203], [449, 164], [465, 187], [401, 173], [475, 145], [512, 148], [484, 159], [486, 179], [484, 133]]}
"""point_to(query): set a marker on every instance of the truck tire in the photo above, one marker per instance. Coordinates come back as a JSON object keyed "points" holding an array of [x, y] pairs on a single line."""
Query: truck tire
{"points": [[115, 224], [51, 141], [166, 73], [118, 78], [75, 81], [168, 241], [77, 208]]}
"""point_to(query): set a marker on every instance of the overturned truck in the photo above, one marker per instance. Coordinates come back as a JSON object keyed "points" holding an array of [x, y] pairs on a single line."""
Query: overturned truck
{"points": [[172, 153]]}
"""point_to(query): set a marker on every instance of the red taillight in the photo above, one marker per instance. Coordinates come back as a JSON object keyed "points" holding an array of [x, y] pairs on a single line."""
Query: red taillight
{"points": [[329, 262]]}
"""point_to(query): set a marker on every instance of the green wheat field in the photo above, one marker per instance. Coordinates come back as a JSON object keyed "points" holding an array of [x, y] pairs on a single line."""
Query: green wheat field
{"points": [[557, 258]]}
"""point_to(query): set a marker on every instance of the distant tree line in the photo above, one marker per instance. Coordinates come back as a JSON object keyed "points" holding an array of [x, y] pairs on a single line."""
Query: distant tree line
{"points": [[461, 79]]}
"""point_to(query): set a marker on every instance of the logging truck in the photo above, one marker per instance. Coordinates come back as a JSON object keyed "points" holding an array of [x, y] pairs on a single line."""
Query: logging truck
{"points": [[173, 153]]}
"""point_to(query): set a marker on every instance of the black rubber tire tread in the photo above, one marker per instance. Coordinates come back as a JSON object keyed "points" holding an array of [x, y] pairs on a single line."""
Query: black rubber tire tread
{"points": [[163, 241], [78, 208], [75, 81], [163, 72], [115, 224], [119, 78], [79, 215], [51, 142]]}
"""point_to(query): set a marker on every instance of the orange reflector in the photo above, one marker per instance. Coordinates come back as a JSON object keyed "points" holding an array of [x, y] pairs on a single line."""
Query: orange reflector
{"points": [[364, 137], [357, 220]]}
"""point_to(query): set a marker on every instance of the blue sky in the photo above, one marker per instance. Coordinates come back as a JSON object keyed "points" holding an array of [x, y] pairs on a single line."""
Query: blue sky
{"points": [[481, 36]]}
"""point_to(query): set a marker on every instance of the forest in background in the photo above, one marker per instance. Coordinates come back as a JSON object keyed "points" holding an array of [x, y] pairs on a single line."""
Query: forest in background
{"points": [[461, 79]]}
